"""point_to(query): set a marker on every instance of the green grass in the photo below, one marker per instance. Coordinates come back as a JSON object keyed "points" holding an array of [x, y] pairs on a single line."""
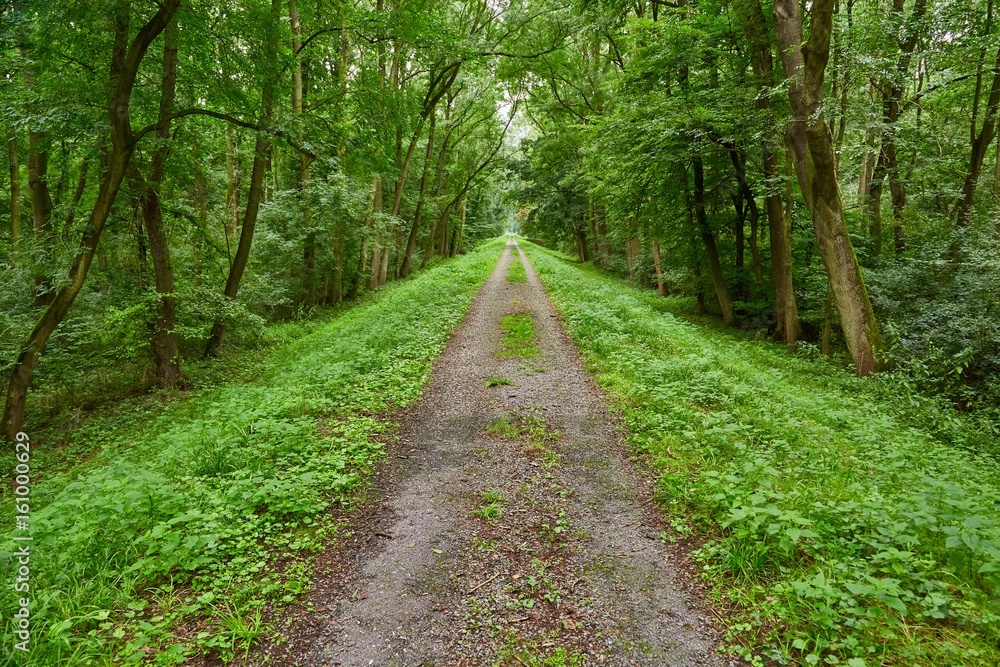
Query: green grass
{"points": [[209, 510], [515, 273], [497, 381], [490, 505], [842, 521], [518, 338]]}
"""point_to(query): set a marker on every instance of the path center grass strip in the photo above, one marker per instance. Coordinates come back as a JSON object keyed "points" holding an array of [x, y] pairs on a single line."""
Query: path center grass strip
{"points": [[518, 337], [836, 531], [211, 513]]}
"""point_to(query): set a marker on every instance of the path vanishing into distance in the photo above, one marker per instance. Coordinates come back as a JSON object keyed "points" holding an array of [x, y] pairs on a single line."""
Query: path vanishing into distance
{"points": [[508, 520]]}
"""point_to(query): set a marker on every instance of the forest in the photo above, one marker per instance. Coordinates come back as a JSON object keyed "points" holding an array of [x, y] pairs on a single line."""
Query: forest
{"points": [[680, 318]]}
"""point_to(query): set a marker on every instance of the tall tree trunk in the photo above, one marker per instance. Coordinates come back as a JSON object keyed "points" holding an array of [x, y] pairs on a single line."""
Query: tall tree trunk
{"points": [[892, 95], [377, 240], [874, 204], [383, 271], [165, 354], [125, 64], [81, 187], [232, 180], [362, 268], [692, 235], [411, 241], [979, 140], [298, 99], [815, 167], [201, 200], [442, 183], [708, 238], [456, 246], [15, 189], [38, 186], [740, 166], [656, 267], [979, 144], [262, 147], [739, 229], [778, 223]]}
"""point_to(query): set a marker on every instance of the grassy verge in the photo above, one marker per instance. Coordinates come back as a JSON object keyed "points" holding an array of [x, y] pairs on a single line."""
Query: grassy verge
{"points": [[834, 521], [194, 521]]}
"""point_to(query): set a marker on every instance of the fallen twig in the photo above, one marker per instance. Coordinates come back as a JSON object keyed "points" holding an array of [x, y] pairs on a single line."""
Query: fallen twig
{"points": [[480, 585]]}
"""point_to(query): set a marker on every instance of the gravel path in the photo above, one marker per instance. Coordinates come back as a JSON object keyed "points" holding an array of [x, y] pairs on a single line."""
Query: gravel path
{"points": [[514, 530]]}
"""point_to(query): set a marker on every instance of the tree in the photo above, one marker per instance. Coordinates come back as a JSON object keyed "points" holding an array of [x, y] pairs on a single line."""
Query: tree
{"points": [[125, 61], [816, 169]]}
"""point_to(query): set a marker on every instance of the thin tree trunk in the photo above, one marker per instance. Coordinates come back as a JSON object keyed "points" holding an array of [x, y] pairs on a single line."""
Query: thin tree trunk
{"points": [[81, 187], [411, 241], [384, 266], [739, 164], [778, 219], [38, 186], [232, 180], [298, 98], [377, 245], [827, 322], [815, 166], [442, 181], [739, 229], [718, 279], [656, 267], [15, 189], [125, 64], [978, 141], [262, 147], [165, 354], [892, 94]]}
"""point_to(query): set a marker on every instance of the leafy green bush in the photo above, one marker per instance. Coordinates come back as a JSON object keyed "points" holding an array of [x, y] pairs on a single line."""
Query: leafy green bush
{"points": [[841, 528]]}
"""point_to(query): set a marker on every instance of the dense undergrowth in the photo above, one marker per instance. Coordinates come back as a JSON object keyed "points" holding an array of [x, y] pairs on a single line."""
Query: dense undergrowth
{"points": [[841, 521], [183, 530]]}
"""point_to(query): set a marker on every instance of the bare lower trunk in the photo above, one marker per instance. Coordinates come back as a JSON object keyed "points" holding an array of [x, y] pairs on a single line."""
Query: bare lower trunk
{"points": [[411, 241], [38, 184], [165, 354], [656, 267], [632, 255], [827, 323], [15, 189], [778, 219], [81, 187], [718, 279], [336, 293], [383, 271]]}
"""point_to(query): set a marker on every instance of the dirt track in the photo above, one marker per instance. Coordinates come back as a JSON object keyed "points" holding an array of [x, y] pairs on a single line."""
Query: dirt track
{"points": [[567, 563]]}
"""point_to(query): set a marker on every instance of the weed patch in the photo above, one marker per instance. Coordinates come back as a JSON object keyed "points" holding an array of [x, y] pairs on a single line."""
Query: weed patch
{"points": [[495, 381], [518, 336], [515, 273], [490, 505], [529, 428]]}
